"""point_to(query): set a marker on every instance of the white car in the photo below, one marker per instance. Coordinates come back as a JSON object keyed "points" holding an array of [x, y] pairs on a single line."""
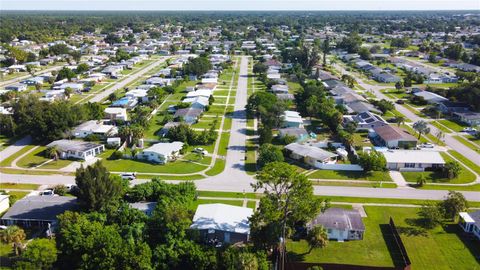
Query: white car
{"points": [[128, 176], [469, 129], [426, 145], [200, 151]]}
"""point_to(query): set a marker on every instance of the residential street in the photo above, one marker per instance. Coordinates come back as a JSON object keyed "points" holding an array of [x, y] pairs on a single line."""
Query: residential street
{"points": [[104, 94], [449, 140], [235, 179], [4, 83]]}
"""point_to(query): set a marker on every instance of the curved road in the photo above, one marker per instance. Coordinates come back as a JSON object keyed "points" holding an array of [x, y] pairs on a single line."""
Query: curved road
{"points": [[235, 179]]}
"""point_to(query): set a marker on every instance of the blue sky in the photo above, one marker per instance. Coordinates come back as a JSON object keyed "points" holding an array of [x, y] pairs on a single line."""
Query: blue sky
{"points": [[239, 4]]}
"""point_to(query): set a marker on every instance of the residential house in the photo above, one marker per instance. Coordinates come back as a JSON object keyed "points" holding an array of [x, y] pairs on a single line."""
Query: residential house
{"points": [[38, 211], [115, 113], [16, 87], [449, 107], [292, 119], [299, 133], [146, 207], [4, 203], [470, 223], [188, 115], [385, 77], [469, 118], [139, 94], [394, 137], [77, 149], [77, 87], [125, 102], [341, 224], [366, 120], [413, 160], [34, 80], [199, 93], [197, 102], [221, 223], [311, 155], [279, 89], [94, 127], [161, 153], [430, 97]]}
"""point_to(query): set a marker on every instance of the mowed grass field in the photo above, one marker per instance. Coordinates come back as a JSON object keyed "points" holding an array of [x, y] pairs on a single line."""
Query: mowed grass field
{"points": [[436, 249]]}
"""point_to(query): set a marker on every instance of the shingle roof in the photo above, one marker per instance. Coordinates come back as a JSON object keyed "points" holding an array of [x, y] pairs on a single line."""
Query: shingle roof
{"points": [[309, 151], [40, 207], [70, 145], [388, 133]]}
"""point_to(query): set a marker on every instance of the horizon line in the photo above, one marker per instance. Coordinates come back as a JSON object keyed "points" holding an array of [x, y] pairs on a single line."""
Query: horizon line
{"points": [[216, 10]]}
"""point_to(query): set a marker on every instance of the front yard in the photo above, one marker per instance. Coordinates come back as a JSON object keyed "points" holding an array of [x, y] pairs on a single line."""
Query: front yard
{"points": [[350, 175], [438, 248]]}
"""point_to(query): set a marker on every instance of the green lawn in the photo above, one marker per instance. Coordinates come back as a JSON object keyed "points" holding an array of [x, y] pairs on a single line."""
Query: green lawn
{"points": [[475, 187], [8, 161], [465, 161], [439, 248], [18, 186], [465, 176], [217, 168], [440, 126], [455, 126], [251, 204], [374, 184], [37, 157], [350, 175], [176, 167]]}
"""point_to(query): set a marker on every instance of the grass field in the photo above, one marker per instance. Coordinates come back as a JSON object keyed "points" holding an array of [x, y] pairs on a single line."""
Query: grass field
{"points": [[374, 184], [465, 176], [18, 186], [439, 248], [8, 161], [37, 157], [465, 161], [350, 175], [452, 125]]}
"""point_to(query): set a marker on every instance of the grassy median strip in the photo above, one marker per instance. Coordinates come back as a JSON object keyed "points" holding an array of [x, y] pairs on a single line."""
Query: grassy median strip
{"points": [[467, 162], [18, 186]]}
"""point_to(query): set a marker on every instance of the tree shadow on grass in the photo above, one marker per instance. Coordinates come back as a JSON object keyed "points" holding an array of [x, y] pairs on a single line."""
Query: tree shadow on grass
{"points": [[470, 243]]}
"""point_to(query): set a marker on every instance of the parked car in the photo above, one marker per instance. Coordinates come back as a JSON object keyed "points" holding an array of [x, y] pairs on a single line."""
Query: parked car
{"points": [[400, 101], [426, 145], [129, 176], [47, 192], [469, 129], [200, 151]]}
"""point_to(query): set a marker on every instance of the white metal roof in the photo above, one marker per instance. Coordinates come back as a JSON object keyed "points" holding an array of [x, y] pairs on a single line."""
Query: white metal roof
{"points": [[466, 217], [413, 156], [165, 149], [222, 217]]}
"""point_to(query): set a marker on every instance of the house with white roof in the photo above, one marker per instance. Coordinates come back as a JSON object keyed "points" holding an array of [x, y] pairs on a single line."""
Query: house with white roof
{"points": [[199, 93], [413, 160], [470, 223], [197, 102], [311, 155], [139, 94], [116, 113], [161, 153], [221, 223], [292, 119], [77, 149], [94, 127]]}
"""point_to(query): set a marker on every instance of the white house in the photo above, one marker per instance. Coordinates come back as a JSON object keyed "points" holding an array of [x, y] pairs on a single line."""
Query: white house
{"points": [[470, 223], [413, 160], [4, 203], [77, 149], [116, 113], [161, 152], [94, 127], [292, 119], [197, 102], [200, 93], [139, 94], [311, 155], [222, 223]]}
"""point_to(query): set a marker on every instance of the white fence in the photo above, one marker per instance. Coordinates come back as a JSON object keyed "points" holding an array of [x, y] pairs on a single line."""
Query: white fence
{"points": [[340, 167]]}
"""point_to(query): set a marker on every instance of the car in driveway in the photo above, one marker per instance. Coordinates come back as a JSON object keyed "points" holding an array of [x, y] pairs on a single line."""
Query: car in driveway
{"points": [[469, 130], [200, 150], [426, 145], [128, 176]]}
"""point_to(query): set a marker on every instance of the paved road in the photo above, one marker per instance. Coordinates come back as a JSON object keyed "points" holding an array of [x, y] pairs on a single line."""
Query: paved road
{"points": [[235, 179], [17, 79], [14, 148], [448, 139], [104, 94]]}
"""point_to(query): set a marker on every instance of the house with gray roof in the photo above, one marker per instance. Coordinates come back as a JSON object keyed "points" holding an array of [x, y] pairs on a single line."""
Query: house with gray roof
{"points": [[77, 149], [470, 223], [341, 224], [393, 137], [311, 155], [299, 133], [469, 118], [37, 210]]}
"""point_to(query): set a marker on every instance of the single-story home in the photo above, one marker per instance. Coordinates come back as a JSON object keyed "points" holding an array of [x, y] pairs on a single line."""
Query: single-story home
{"points": [[292, 119], [161, 152], [115, 113], [74, 86], [393, 137], [199, 93], [16, 87], [430, 97], [125, 102], [37, 210], [469, 118], [145, 207], [341, 224], [413, 160], [299, 133], [139, 94], [450, 107], [96, 128], [280, 89], [312, 155], [188, 115], [221, 223], [77, 149], [470, 223], [197, 102], [366, 120]]}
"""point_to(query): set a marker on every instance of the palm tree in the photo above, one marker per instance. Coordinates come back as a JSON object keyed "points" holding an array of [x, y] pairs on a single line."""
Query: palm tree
{"points": [[317, 237], [422, 180], [421, 127], [400, 120], [52, 152], [15, 235], [440, 135], [125, 132]]}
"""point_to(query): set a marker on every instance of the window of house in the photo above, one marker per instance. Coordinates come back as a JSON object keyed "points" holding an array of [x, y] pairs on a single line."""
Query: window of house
{"points": [[409, 165]]}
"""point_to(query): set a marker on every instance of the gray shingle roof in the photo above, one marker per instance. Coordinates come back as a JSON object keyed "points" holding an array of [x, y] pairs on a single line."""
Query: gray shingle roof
{"points": [[340, 219], [40, 208]]}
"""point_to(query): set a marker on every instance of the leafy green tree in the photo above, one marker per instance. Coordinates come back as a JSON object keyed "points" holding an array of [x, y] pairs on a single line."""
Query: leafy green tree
{"points": [[268, 153], [259, 68], [15, 235], [60, 190], [66, 73], [453, 204], [431, 215], [365, 53], [372, 161], [452, 169], [234, 258], [81, 68], [288, 201], [352, 43], [39, 254], [422, 180], [198, 66], [317, 237], [96, 187]]}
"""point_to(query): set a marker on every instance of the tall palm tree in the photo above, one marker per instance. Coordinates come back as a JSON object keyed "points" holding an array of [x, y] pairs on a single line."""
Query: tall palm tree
{"points": [[52, 152], [400, 120], [13, 235], [317, 237]]}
